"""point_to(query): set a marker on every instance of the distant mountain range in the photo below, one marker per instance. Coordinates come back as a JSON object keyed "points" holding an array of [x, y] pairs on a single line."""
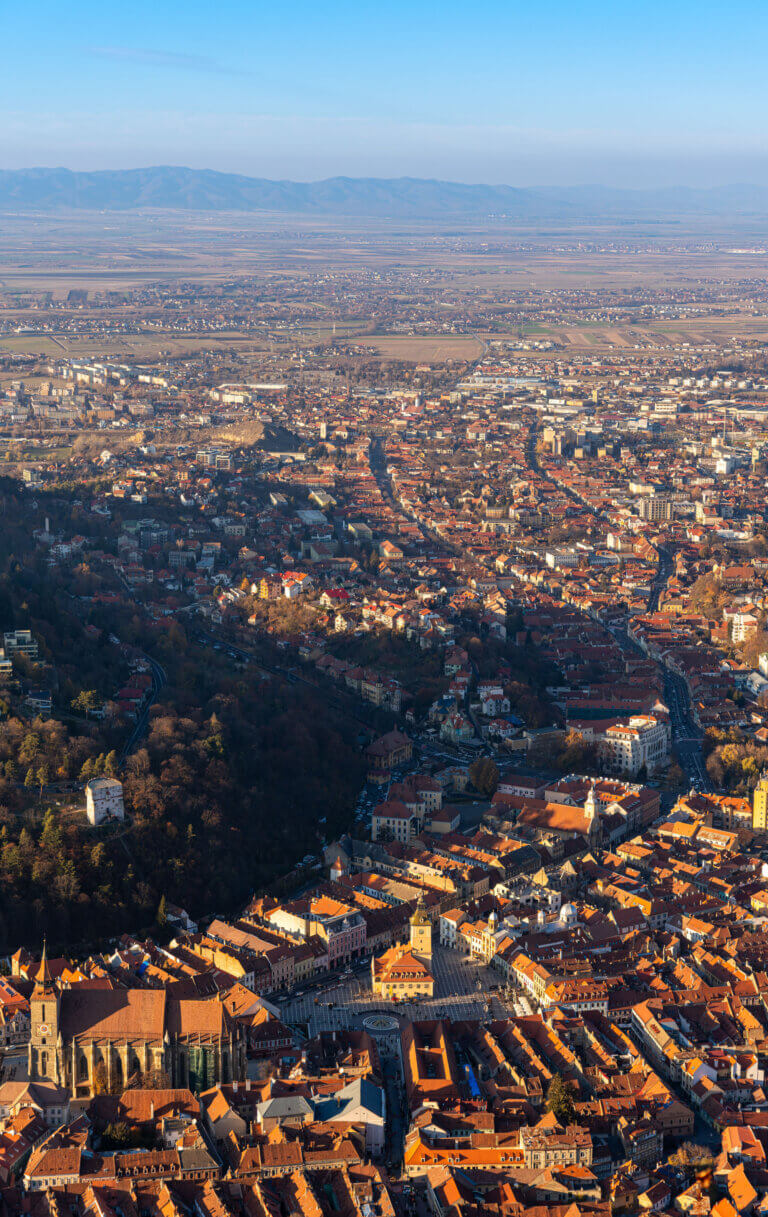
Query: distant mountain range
{"points": [[205, 190]]}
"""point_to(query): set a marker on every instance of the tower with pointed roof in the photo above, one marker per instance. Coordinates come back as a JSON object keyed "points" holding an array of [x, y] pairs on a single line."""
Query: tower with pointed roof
{"points": [[339, 868], [590, 806], [44, 1009], [421, 932]]}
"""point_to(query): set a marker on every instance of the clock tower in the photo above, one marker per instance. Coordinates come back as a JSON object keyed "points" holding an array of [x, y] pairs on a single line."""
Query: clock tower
{"points": [[44, 1065], [421, 932]]}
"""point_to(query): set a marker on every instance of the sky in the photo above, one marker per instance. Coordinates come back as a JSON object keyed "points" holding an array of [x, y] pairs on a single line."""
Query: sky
{"points": [[628, 93]]}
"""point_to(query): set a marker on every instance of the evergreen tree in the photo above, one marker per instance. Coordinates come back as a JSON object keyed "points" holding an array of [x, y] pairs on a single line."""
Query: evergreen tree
{"points": [[560, 1100]]}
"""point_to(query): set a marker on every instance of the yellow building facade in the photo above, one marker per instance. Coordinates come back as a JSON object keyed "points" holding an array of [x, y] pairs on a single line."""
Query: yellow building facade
{"points": [[760, 806], [404, 972]]}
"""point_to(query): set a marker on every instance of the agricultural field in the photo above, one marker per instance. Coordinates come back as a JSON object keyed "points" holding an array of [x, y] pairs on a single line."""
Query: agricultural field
{"points": [[130, 346], [124, 250], [425, 348], [696, 332]]}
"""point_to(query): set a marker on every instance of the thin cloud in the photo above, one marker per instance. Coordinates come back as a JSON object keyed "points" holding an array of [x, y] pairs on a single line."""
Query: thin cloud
{"points": [[164, 59]]}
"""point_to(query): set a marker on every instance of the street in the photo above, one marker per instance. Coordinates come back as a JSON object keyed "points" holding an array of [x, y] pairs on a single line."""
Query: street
{"points": [[686, 736], [13, 1065]]}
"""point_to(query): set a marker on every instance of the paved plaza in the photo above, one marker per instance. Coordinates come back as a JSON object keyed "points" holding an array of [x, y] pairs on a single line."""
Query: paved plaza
{"points": [[464, 988]]}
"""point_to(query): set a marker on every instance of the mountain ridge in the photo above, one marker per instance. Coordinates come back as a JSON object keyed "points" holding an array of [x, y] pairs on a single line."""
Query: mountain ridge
{"points": [[169, 187]]}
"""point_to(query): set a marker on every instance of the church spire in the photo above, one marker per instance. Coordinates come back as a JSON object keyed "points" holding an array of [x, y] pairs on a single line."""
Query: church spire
{"points": [[590, 806], [43, 979]]}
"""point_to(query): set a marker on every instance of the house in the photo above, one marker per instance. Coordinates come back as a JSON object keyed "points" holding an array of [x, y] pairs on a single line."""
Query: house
{"points": [[49, 1101], [457, 729], [362, 1101], [39, 701], [220, 1117], [393, 820]]}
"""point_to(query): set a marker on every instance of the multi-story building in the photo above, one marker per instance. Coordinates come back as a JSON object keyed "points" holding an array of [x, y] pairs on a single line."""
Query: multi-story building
{"points": [[548, 1143], [643, 741], [339, 926], [386, 753], [654, 508], [20, 642], [394, 820], [760, 805], [743, 626]]}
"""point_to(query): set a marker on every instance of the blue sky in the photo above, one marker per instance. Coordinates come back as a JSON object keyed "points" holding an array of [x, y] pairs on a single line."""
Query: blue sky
{"points": [[624, 93]]}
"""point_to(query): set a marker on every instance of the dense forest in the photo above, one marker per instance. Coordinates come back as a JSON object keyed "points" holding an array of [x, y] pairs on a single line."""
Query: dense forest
{"points": [[220, 798], [238, 777]]}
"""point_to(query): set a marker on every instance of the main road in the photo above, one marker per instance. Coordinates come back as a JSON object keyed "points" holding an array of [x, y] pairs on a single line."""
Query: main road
{"points": [[660, 580], [383, 481], [686, 735]]}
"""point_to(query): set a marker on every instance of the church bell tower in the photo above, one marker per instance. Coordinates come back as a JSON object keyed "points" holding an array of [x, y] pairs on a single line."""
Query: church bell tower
{"points": [[44, 1032]]}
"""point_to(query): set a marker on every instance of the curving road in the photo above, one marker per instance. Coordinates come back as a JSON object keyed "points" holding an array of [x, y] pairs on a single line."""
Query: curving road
{"points": [[159, 681]]}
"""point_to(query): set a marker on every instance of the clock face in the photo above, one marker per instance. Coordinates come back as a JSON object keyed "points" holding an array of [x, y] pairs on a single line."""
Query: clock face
{"points": [[43, 1029]]}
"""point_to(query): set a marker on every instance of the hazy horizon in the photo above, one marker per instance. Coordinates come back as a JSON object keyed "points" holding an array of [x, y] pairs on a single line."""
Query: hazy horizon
{"points": [[529, 172], [732, 182], [495, 94]]}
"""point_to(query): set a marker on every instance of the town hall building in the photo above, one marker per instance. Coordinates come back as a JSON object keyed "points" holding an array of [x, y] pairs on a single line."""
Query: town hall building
{"points": [[405, 971]]}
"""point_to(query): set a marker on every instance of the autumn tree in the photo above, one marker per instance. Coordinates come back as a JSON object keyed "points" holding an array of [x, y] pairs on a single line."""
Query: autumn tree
{"points": [[690, 1153], [577, 754], [707, 596], [675, 774], [119, 1136], [153, 1079], [484, 776], [86, 701], [100, 1080]]}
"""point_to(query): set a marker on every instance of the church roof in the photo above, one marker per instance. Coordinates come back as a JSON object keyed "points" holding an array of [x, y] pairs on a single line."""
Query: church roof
{"points": [[113, 1014], [189, 1017], [143, 1015], [559, 817]]}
